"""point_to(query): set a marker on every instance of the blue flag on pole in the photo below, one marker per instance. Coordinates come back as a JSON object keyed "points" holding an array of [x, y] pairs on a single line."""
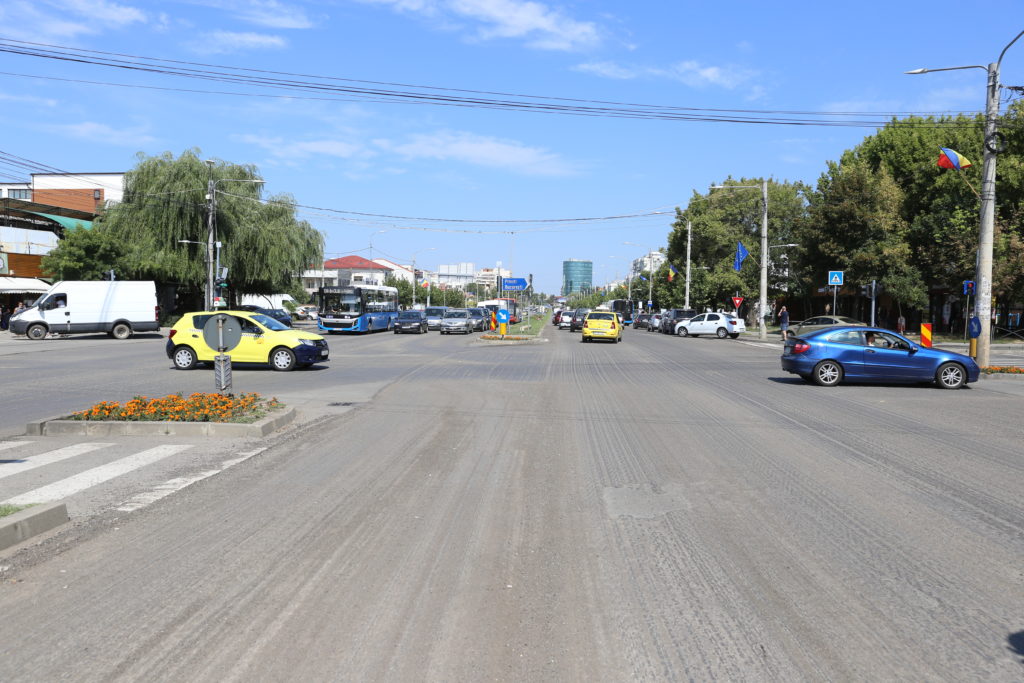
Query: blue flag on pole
{"points": [[643, 278], [741, 253]]}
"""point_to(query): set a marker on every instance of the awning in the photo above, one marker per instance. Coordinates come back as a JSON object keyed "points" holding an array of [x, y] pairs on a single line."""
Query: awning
{"points": [[67, 223], [22, 285]]}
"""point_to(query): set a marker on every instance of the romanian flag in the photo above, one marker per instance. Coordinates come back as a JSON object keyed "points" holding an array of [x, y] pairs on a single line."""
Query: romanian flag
{"points": [[672, 272], [951, 159]]}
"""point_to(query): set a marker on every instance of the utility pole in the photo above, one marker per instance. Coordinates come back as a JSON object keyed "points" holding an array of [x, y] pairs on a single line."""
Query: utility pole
{"points": [[762, 304], [689, 234], [211, 210]]}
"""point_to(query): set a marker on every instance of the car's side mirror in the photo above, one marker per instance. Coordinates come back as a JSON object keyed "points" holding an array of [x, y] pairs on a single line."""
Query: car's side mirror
{"points": [[914, 348]]}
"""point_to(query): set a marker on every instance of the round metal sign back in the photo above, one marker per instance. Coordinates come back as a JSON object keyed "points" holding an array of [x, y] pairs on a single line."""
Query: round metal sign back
{"points": [[232, 332], [974, 328]]}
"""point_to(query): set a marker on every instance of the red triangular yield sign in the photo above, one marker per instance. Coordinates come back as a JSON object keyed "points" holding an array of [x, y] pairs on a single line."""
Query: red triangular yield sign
{"points": [[736, 301]]}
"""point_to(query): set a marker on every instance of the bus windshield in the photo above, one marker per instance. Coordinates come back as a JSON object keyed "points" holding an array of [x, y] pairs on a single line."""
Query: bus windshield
{"points": [[334, 303]]}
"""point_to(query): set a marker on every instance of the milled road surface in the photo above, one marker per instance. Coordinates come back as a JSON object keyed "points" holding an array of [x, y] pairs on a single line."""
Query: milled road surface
{"points": [[660, 509]]}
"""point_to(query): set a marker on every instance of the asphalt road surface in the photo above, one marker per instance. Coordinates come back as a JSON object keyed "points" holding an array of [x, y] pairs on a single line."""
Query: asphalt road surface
{"points": [[659, 509]]}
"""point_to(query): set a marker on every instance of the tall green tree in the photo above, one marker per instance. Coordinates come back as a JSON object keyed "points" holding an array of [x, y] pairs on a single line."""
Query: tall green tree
{"points": [[265, 246]]}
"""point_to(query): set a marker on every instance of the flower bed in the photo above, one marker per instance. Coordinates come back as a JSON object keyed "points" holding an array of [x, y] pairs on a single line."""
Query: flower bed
{"points": [[1003, 369], [198, 407]]}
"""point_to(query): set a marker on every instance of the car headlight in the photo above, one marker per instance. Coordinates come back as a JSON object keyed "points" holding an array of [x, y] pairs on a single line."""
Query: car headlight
{"points": [[307, 342]]}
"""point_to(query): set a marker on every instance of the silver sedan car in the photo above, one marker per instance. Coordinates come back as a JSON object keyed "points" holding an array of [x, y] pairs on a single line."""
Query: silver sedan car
{"points": [[457, 320]]}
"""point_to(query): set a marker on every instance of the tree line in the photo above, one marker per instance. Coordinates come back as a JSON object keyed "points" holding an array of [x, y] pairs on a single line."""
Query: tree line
{"points": [[884, 211]]}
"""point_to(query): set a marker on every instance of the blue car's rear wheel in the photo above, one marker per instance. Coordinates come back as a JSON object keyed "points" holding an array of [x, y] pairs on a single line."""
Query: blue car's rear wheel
{"points": [[950, 376], [827, 373]]}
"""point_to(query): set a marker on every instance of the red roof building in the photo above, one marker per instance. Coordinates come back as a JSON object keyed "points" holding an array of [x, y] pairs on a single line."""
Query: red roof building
{"points": [[352, 263]]}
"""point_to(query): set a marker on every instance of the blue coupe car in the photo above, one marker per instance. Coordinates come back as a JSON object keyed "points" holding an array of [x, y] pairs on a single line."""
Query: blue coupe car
{"points": [[870, 354]]}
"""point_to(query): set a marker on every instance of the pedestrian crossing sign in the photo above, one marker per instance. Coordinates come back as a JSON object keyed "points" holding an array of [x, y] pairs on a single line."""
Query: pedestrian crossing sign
{"points": [[835, 277]]}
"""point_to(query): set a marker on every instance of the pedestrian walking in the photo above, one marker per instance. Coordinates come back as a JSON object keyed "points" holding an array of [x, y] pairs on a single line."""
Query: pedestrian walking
{"points": [[784, 323], [901, 324], [5, 317]]}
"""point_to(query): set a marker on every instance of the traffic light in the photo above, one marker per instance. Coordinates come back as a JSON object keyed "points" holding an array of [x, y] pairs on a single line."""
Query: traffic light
{"points": [[969, 287], [865, 290], [222, 278]]}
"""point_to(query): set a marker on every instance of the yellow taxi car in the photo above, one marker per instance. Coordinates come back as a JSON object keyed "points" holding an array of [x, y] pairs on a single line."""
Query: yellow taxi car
{"points": [[264, 340], [602, 325]]}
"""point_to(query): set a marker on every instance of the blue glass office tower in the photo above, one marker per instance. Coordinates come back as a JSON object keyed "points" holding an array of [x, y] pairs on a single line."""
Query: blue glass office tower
{"points": [[577, 276]]}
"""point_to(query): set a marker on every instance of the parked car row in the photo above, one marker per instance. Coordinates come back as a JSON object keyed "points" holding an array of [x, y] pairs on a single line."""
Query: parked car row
{"points": [[443, 319]]}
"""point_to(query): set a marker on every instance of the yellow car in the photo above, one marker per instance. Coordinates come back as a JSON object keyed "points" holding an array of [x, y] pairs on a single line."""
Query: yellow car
{"points": [[264, 340], [602, 325]]}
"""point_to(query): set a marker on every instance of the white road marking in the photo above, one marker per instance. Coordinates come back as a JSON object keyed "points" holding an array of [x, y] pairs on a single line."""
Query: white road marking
{"points": [[173, 485], [97, 475], [4, 445], [11, 468]]}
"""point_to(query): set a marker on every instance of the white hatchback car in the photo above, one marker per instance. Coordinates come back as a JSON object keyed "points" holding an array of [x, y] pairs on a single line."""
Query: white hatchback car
{"points": [[720, 324]]}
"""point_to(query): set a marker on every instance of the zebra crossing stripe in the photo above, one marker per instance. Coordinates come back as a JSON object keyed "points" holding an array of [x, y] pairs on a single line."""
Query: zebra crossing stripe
{"points": [[97, 475], [4, 445], [9, 469]]}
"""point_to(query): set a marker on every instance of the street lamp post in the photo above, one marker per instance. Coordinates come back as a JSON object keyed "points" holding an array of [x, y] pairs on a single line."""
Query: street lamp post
{"points": [[211, 212], [986, 230], [414, 285], [762, 300], [650, 273]]}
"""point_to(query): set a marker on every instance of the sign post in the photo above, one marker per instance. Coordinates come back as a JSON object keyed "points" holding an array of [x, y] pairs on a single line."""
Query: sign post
{"points": [[222, 332], [503, 318], [835, 280]]}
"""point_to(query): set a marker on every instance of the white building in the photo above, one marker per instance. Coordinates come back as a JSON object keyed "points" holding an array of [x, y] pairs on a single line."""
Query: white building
{"points": [[458, 275], [649, 262], [488, 277], [398, 271]]}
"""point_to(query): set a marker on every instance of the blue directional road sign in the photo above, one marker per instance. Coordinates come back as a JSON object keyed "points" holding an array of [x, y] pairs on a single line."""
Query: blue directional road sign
{"points": [[503, 315], [835, 277], [974, 327], [514, 284]]}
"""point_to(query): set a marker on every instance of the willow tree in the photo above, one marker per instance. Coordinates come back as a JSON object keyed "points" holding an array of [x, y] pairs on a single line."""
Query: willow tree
{"points": [[162, 226]]}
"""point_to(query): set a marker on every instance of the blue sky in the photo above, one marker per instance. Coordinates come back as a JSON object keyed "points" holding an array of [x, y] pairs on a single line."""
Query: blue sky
{"points": [[344, 153]]}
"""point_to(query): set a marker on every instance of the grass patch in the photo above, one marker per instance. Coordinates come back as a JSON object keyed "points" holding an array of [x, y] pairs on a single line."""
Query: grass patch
{"points": [[8, 509], [197, 407]]}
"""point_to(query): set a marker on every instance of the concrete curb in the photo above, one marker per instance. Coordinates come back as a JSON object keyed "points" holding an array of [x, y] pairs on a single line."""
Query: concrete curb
{"points": [[534, 340], [31, 522], [1014, 377], [55, 426]]}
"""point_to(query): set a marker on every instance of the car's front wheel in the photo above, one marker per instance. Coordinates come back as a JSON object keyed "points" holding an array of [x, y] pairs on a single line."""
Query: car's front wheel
{"points": [[184, 358], [827, 373], [36, 332], [950, 376], [282, 359]]}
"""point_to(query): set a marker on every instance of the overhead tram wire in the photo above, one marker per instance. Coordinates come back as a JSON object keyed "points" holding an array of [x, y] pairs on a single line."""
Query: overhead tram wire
{"points": [[524, 103]]}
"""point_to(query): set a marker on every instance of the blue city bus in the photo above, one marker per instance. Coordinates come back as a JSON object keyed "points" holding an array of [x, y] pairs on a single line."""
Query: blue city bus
{"points": [[624, 307], [357, 308]]}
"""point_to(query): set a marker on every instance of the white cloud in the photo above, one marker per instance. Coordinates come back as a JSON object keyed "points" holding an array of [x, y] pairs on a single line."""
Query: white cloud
{"points": [[28, 99], [270, 13], [537, 24], [480, 150], [691, 73], [101, 132], [54, 19], [223, 42], [289, 149]]}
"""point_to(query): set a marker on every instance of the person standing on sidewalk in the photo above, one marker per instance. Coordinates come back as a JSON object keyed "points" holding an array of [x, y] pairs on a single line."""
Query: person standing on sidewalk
{"points": [[784, 323]]}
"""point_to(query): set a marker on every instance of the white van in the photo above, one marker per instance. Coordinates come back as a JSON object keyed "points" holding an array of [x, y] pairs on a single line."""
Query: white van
{"points": [[119, 308]]}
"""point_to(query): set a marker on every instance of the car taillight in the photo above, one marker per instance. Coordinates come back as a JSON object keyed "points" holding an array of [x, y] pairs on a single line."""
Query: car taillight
{"points": [[586, 323], [801, 346], [170, 335], [732, 322], [156, 313], [613, 325]]}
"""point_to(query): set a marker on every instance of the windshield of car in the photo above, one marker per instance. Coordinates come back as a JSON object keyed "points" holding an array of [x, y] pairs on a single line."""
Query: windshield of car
{"points": [[848, 321], [457, 314], [269, 322], [409, 315], [278, 312], [435, 312]]}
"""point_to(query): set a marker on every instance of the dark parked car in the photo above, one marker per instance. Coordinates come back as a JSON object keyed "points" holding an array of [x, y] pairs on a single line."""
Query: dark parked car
{"points": [[279, 314], [641, 321], [411, 321], [674, 316], [869, 354], [578, 318], [481, 318]]}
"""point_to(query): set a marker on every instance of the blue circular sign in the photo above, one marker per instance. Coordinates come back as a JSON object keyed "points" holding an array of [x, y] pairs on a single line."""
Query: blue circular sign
{"points": [[502, 315], [974, 327]]}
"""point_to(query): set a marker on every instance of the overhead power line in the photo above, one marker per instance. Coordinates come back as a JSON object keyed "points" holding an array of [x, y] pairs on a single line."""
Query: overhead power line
{"points": [[382, 91]]}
